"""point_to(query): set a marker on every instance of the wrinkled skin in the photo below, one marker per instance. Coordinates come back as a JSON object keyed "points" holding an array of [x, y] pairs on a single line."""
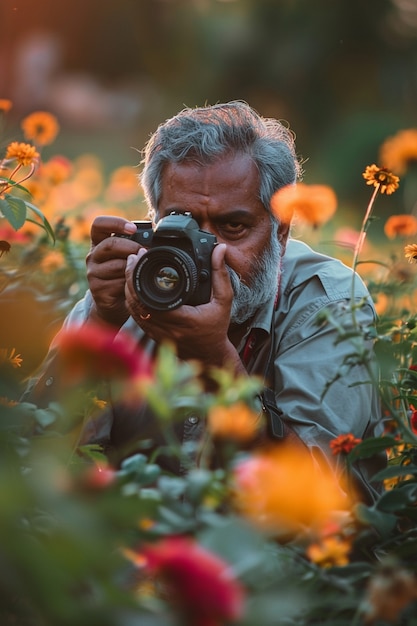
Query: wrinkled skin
{"points": [[223, 199]]}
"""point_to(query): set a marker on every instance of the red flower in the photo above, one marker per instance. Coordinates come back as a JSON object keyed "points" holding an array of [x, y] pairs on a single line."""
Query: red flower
{"points": [[199, 582], [94, 352], [344, 444]]}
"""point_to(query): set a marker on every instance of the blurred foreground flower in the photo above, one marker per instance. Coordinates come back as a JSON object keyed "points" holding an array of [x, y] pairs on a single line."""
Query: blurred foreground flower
{"points": [[93, 352], [197, 582], [300, 493], [389, 592], [312, 204], [237, 422], [330, 552]]}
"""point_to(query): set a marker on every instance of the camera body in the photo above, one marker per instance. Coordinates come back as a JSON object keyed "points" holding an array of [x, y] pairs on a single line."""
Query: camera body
{"points": [[176, 269]]}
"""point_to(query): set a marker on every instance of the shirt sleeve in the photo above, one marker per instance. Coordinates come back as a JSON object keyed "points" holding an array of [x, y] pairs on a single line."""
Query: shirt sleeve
{"points": [[324, 383]]}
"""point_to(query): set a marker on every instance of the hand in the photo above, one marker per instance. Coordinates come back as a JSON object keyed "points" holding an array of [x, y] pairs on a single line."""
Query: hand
{"points": [[197, 332], [106, 263]]}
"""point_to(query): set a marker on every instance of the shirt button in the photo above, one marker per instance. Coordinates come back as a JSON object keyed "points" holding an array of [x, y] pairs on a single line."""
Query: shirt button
{"points": [[49, 381], [193, 420]]}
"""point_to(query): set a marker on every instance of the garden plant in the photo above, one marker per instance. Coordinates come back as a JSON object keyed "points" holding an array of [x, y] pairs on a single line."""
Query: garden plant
{"points": [[86, 542]]}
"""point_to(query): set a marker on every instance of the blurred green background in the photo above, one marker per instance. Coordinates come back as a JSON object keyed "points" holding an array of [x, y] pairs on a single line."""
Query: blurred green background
{"points": [[342, 73]]}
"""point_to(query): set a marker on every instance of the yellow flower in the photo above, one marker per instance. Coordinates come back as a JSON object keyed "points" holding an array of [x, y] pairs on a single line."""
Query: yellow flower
{"points": [[410, 252], [330, 552], [313, 204], [399, 151], [24, 153], [382, 178], [237, 422], [5, 105], [400, 226], [40, 127]]}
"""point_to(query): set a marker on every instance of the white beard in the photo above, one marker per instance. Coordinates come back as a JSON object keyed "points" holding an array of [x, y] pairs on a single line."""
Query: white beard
{"points": [[263, 286]]}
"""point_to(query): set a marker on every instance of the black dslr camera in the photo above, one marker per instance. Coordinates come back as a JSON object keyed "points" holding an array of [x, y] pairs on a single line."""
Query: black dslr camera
{"points": [[176, 269]]}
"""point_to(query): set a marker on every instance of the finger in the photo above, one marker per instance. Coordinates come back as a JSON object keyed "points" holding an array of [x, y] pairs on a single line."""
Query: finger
{"points": [[221, 286], [105, 225]]}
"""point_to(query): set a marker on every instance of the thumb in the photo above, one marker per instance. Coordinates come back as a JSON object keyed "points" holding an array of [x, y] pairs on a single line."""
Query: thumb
{"points": [[221, 286]]}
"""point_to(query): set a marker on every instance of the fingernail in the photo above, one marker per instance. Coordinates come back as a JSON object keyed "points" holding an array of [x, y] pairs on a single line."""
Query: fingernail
{"points": [[130, 228], [130, 261]]}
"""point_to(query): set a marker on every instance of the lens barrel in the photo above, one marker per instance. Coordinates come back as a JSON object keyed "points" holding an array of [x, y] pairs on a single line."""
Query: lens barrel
{"points": [[165, 278]]}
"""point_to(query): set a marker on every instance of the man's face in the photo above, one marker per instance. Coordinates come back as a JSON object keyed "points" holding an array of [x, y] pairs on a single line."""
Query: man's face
{"points": [[224, 199]]}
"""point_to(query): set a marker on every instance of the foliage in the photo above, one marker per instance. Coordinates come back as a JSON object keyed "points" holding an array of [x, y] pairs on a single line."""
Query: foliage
{"points": [[86, 542]]}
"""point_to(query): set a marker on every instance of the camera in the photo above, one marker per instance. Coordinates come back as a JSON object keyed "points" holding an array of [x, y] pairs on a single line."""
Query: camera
{"points": [[176, 269]]}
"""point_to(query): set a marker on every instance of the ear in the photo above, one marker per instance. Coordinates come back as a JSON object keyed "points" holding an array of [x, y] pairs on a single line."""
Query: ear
{"points": [[283, 233]]}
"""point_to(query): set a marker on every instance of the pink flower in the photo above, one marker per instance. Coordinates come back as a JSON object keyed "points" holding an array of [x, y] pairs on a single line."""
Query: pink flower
{"points": [[199, 582]]}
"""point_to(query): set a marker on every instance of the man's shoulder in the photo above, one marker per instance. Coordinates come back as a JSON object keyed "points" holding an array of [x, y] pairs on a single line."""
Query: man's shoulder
{"points": [[302, 264]]}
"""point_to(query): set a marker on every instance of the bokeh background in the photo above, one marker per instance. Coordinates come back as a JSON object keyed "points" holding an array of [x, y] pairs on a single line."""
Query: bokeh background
{"points": [[342, 73]]}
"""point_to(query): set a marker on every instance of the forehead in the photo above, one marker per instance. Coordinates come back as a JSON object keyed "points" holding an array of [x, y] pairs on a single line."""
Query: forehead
{"points": [[229, 183]]}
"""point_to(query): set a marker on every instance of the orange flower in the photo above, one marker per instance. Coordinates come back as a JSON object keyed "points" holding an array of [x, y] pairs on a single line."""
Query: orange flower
{"points": [[5, 105], [398, 151], [400, 226], [52, 261], [40, 127], [382, 178], [330, 552], [410, 252], [237, 422], [300, 494], [344, 444], [56, 170], [123, 185], [24, 153], [313, 204]]}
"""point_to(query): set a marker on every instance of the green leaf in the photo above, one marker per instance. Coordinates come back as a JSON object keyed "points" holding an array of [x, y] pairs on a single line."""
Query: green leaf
{"points": [[397, 499], [14, 210], [393, 471], [43, 223], [370, 447], [382, 521]]}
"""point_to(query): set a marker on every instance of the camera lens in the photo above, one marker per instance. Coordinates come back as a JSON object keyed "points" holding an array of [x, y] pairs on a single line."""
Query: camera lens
{"points": [[165, 278]]}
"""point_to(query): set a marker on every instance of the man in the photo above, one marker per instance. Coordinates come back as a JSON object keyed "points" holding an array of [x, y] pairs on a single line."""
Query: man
{"points": [[222, 164]]}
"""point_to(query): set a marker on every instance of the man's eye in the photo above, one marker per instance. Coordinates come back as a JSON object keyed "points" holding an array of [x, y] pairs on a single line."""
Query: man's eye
{"points": [[233, 226]]}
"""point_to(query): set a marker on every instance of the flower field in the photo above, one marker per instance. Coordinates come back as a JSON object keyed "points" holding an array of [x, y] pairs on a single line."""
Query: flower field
{"points": [[85, 541]]}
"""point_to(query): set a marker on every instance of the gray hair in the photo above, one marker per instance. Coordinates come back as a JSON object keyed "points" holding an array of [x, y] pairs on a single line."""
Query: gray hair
{"points": [[207, 133]]}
